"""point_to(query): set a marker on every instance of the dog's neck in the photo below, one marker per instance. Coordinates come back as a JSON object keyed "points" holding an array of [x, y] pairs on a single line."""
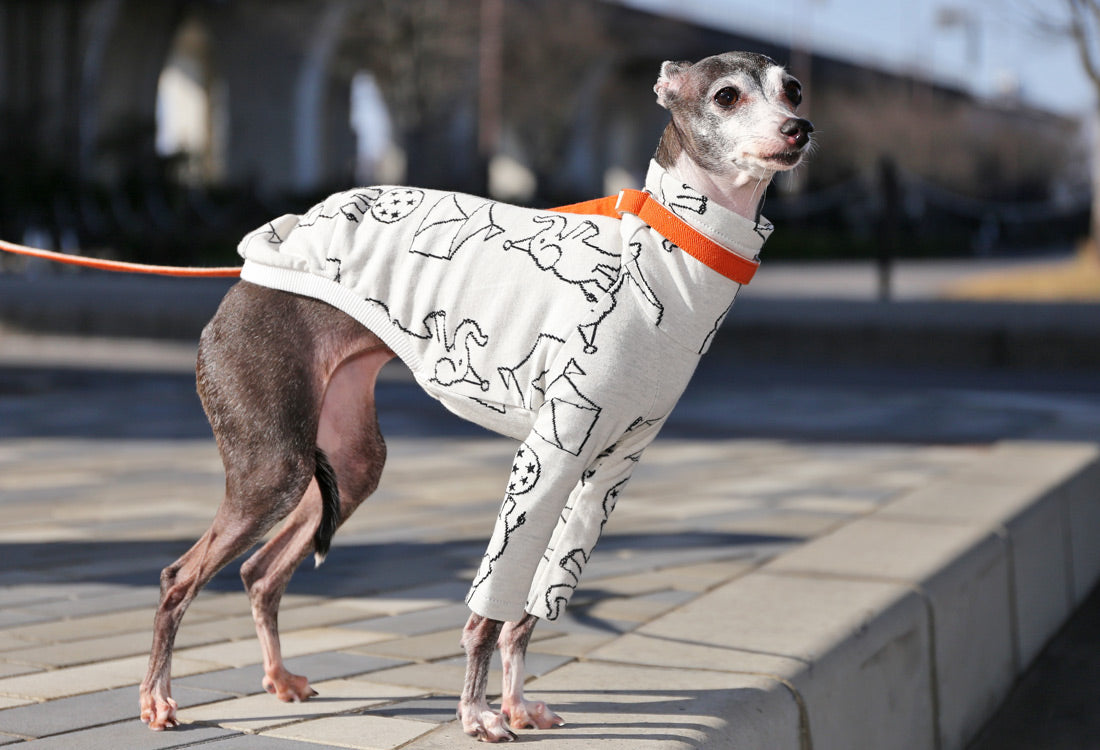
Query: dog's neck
{"points": [[740, 192]]}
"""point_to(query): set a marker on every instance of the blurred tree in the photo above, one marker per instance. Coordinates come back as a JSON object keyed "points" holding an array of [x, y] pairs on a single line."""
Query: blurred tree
{"points": [[1084, 26], [424, 54]]}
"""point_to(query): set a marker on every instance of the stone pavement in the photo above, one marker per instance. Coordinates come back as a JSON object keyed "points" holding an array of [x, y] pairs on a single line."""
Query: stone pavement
{"points": [[803, 559], [89, 523]]}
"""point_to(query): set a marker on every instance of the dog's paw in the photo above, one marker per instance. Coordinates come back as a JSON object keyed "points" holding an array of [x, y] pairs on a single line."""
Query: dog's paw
{"points": [[531, 715], [287, 687], [486, 725], [159, 712]]}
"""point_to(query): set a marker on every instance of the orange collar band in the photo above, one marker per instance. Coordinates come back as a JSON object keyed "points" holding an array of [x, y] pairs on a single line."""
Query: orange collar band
{"points": [[672, 228]]}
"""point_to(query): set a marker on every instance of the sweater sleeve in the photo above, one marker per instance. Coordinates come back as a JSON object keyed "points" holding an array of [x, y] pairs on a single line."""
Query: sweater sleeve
{"points": [[582, 521], [555, 507]]}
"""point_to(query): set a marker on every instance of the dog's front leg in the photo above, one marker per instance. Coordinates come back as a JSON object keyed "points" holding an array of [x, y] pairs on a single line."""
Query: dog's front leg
{"points": [[478, 720], [520, 712]]}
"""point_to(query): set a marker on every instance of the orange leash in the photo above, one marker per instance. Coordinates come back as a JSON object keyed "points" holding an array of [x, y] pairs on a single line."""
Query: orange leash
{"points": [[118, 265], [641, 204]]}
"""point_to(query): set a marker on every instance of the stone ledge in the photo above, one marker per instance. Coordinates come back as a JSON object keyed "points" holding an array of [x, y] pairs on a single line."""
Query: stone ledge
{"points": [[903, 629]]}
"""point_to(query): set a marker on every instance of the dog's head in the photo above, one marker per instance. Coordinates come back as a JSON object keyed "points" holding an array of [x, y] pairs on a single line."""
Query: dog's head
{"points": [[734, 112]]}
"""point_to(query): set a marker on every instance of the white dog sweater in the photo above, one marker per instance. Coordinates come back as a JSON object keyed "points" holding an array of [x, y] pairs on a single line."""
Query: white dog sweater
{"points": [[575, 334]]}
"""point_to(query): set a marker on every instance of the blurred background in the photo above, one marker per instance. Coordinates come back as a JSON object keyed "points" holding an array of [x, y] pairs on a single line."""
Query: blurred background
{"points": [[161, 132], [931, 281]]}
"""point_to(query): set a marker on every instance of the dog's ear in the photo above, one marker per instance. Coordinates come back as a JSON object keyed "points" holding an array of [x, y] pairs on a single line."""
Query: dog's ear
{"points": [[669, 82]]}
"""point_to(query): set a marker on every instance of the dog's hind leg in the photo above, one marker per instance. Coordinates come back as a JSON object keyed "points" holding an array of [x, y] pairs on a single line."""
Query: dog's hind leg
{"points": [[520, 712], [258, 383], [233, 531], [348, 435]]}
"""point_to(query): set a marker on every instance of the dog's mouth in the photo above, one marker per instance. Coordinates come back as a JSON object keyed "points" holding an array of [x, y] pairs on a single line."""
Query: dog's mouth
{"points": [[787, 158]]}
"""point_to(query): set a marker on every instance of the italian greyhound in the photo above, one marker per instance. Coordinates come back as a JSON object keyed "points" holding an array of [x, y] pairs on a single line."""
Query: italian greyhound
{"points": [[576, 334]]}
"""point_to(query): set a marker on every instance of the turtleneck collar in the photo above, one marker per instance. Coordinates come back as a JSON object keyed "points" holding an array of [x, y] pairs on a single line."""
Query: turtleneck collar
{"points": [[731, 230]]}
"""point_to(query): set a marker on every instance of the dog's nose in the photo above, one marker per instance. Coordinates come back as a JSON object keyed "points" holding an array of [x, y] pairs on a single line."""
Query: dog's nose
{"points": [[797, 130]]}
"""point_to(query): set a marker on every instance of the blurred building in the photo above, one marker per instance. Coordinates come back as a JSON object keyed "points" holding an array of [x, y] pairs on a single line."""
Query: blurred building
{"points": [[126, 116]]}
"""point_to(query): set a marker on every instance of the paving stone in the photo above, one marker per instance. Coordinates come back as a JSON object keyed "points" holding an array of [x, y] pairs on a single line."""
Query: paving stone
{"points": [[391, 604], [295, 643], [696, 577], [437, 709], [104, 707], [450, 617], [578, 622], [364, 732], [438, 677], [429, 647], [214, 630], [573, 645], [234, 602], [81, 652], [11, 670], [10, 618], [19, 595], [327, 665], [132, 735], [256, 713], [89, 678], [262, 742], [107, 624], [91, 604], [637, 608]]}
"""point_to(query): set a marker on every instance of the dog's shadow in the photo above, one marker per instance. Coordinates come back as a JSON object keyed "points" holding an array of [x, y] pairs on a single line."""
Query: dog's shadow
{"points": [[684, 717], [364, 570]]}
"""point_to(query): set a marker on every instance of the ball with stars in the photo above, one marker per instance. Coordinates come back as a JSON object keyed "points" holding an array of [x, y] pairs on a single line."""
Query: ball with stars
{"points": [[394, 205], [526, 469]]}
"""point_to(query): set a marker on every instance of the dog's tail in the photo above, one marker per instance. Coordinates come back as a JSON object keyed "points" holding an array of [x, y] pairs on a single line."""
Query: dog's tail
{"points": [[330, 507]]}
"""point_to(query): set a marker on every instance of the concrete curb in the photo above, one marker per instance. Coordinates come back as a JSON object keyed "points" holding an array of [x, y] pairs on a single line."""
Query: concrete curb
{"points": [[904, 629]]}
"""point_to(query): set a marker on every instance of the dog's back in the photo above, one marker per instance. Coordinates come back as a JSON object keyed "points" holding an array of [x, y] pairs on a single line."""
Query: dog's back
{"points": [[477, 297]]}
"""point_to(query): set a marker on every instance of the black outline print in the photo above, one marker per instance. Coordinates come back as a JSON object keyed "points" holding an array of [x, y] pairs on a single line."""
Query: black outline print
{"points": [[525, 456], [714, 330], [267, 234], [449, 370], [573, 562], [519, 377], [468, 223], [507, 508], [570, 254], [763, 230], [631, 271], [571, 417], [339, 265], [639, 422], [395, 204], [689, 201], [468, 332], [358, 205], [526, 471]]}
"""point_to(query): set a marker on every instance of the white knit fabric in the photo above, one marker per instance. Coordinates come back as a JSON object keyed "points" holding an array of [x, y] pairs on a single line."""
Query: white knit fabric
{"points": [[574, 334]]}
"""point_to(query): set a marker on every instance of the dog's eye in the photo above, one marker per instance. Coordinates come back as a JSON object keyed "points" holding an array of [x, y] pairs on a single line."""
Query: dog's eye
{"points": [[727, 97], [793, 90]]}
